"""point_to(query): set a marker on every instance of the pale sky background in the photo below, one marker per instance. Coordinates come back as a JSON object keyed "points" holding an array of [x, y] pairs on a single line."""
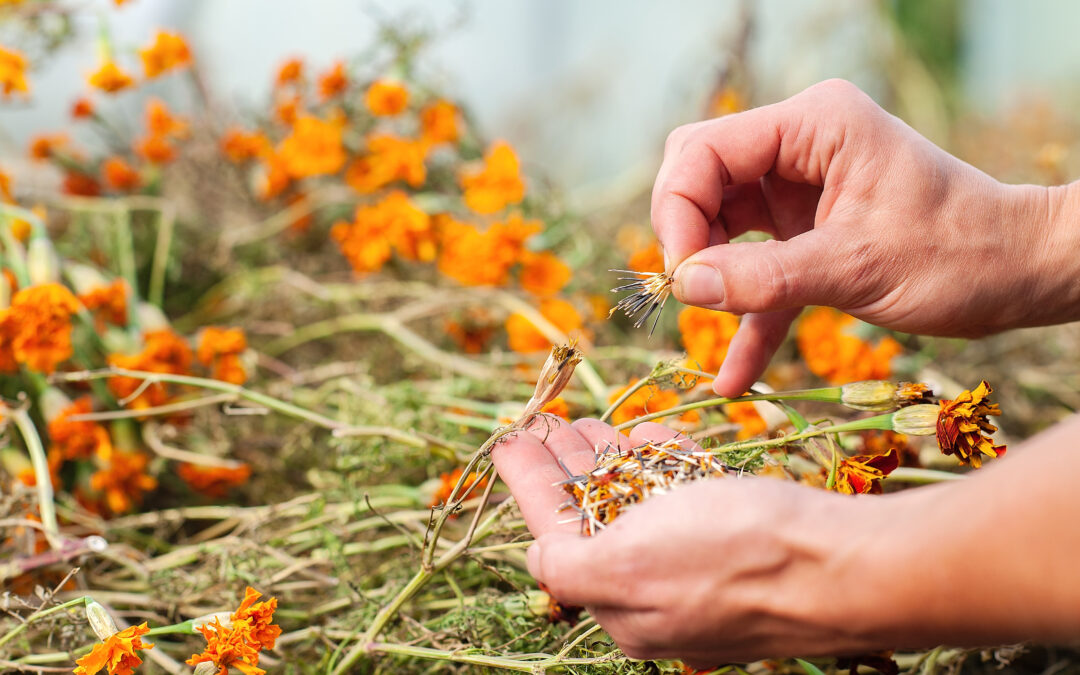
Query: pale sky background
{"points": [[586, 90]]}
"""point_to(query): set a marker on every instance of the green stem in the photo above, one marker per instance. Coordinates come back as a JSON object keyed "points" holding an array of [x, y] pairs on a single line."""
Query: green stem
{"points": [[630, 391], [166, 225], [822, 394], [14, 252], [535, 663], [41, 614], [42, 476], [125, 253], [875, 422], [184, 627]]}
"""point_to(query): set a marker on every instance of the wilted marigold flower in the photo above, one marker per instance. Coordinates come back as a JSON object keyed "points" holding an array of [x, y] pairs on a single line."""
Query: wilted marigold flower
{"points": [[647, 260], [963, 429], [314, 148], [78, 440], [80, 184], [389, 158], [497, 185], [119, 175], [12, 72], [213, 481], [221, 348], [167, 52], [836, 355], [107, 303], [863, 474], [110, 78], [706, 335], [164, 352], [646, 400], [37, 326], [526, 338], [333, 81], [543, 274], [439, 123], [122, 480], [240, 146], [448, 480], [82, 108], [745, 414], [116, 654], [386, 97]]}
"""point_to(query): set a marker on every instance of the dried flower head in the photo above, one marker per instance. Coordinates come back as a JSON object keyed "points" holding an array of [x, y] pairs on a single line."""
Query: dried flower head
{"points": [[863, 474], [555, 374], [963, 428], [650, 292]]}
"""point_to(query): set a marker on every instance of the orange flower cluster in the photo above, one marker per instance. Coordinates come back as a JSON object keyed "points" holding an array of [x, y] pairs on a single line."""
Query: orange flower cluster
{"points": [[45, 146], [389, 158], [482, 258], [12, 72], [249, 631], [386, 98], [107, 303], [833, 353], [648, 259], [706, 335], [213, 481], [863, 474], [162, 127], [240, 146], [82, 108], [117, 654], [333, 82], [314, 148], [646, 400], [526, 338], [448, 480], [745, 414], [167, 52], [110, 78], [35, 330], [164, 352], [220, 349], [119, 176], [963, 429], [439, 123], [392, 224], [497, 185], [122, 480], [543, 274], [78, 440], [473, 332]]}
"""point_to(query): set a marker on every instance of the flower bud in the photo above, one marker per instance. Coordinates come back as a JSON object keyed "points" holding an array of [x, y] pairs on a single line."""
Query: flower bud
{"points": [[42, 263], [100, 621], [871, 395], [534, 603], [554, 376], [916, 420], [206, 668], [151, 318], [84, 278], [52, 402]]}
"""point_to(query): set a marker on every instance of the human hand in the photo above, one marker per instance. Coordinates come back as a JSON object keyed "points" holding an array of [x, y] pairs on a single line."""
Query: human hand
{"points": [[867, 216]]}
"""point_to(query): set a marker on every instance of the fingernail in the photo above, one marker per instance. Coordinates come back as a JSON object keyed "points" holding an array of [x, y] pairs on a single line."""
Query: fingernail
{"points": [[667, 261], [532, 559], [700, 285]]}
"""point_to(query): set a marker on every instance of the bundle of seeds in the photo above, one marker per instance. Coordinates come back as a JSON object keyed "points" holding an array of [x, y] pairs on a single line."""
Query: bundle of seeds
{"points": [[622, 478]]}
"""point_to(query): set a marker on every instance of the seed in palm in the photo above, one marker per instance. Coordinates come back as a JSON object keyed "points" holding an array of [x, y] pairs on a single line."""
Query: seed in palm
{"points": [[650, 292]]}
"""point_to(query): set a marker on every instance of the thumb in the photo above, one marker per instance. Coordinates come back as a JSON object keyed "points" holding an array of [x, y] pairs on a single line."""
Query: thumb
{"points": [[568, 565], [809, 269]]}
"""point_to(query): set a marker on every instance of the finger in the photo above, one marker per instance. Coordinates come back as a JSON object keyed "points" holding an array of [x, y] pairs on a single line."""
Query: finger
{"points": [[572, 452], [530, 471], [772, 205], [581, 570], [758, 338], [603, 437], [651, 432]]}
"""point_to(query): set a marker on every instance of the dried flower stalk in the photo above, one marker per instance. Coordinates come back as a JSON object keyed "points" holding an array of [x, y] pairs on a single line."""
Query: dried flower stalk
{"points": [[650, 292]]}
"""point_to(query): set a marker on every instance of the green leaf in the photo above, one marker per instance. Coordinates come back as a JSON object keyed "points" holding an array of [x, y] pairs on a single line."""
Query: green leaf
{"points": [[810, 668]]}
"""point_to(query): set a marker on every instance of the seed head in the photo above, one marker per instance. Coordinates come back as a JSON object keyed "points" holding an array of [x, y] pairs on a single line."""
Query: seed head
{"points": [[650, 292]]}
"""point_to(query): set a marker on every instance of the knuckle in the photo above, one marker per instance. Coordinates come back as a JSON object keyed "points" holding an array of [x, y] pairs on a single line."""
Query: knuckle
{"points": [[773, 284], [836, 88]]}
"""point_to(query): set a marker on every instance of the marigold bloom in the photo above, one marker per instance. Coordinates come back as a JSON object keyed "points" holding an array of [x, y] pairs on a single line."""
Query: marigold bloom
{"points": [[221, 348], [863, 474], [37, 326], [5, 187], [117, 654], [12, 72], [123, 480], [260, 615], [287, 109], [78, 440], [963, 429], [290, 72], [314, 148], [44, 146], [167, 52], [389, 158], [543, 274], [164, 352], [472, 332], [118, 175], [155, 149], [240, 146], [213, 481], [386, 97], [439, 123], [833, 353], [161, 122], [394, 223], [448, 480], [274, 179], [108, 303], [875, 442], [82, 108], [110, 78], [526, 338], [648, 259], [745, 414], [706, 335], [229, 647], [333, 82], [499, 247], [558, 407], [646, 400], [497, 185]]}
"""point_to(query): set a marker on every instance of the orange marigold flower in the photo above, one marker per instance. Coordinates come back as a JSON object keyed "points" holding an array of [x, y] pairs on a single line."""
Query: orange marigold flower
{"points": [[648, 259], [525, 338], [448, 480], [107, 303], [274, 179], [333, 82], [706, 335], [123, 480], [229, 647], [78, 440], [833, 353], [164, 352], [80, 184], [221, 348], [558, 407], [497, 185], [314, 148], [394, 223], [646, 400], [117, 655], [260, 615], [43, 146], [963, 429], [37, 326], [167, 52], [389, 158], [213, 481], [240, 146], [110, 78], [499, 248], [863, 474], [82, 108], [543, 274], [287, 109], [386, 97], [290, 72], [439, 123], [880, 442], [473, 332], [12, 72], [5, 186], [155, 149], [745, 414], [161, 122], [119, 175]]}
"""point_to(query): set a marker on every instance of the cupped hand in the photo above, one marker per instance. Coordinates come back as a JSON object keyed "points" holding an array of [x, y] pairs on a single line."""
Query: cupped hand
{"points": [[732, 569], [866, 215]]}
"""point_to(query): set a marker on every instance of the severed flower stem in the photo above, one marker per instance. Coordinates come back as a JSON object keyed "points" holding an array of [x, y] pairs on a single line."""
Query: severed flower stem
{"points": [[531, 663], [42, 476], [820, 394]]}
